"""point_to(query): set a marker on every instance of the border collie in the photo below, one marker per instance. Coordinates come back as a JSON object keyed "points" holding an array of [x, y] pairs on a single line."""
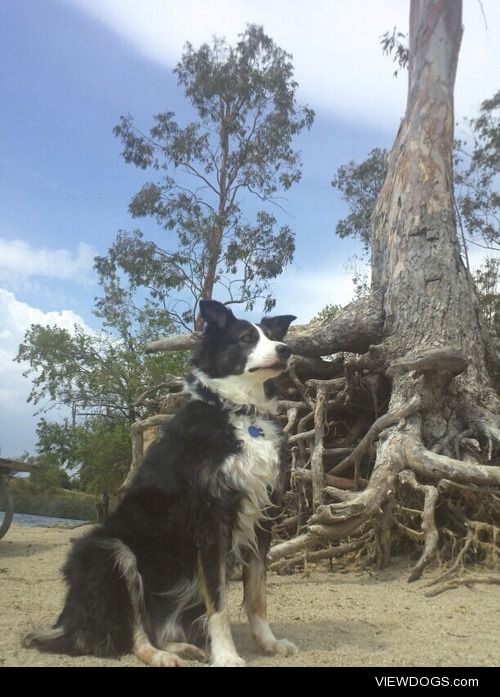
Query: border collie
{"points": [[152, 579]]}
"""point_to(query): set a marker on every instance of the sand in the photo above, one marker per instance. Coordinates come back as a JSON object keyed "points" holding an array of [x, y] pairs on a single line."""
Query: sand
{"points": [[336, 619]]}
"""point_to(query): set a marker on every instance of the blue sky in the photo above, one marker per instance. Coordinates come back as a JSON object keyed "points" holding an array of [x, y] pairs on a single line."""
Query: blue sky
{"points": [[70, 68]]}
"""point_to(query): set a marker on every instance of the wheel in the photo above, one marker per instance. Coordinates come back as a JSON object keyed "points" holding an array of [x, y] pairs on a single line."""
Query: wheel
{"points": [[6, 507]]}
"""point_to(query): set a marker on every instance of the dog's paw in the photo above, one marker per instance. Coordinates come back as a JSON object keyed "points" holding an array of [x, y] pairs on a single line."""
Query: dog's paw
{"points": [[280, 647], [165, 659], [187, 651], [228, 660]]}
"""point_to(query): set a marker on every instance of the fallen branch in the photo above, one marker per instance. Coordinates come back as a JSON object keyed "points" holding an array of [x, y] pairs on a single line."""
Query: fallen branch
{"points": [[465, 581], [319, 555], [449, 573], [332, 385], [335, 453], [177, 342], [283, 549], [287, 524], [305, 435], [292, 415], [171, 382]]}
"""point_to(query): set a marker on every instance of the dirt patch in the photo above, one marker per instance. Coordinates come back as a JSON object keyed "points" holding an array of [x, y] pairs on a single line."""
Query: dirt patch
{"points": [[336, 619]]}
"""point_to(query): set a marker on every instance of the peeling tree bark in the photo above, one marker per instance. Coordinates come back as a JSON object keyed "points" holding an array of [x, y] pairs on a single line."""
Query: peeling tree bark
{"points": [[429, 299], [428, 296]]}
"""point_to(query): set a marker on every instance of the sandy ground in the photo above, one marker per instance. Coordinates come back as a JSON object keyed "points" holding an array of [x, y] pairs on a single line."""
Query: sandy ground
{"points": [[336, 619]]}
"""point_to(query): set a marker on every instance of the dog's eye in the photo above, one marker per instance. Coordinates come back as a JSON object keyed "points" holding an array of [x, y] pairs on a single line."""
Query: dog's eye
{"points": [[247, 338]]}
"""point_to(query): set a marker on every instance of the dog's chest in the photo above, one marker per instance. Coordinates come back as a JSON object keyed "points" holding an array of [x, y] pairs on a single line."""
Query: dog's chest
{"points": [[254, 470], [260, 441]]}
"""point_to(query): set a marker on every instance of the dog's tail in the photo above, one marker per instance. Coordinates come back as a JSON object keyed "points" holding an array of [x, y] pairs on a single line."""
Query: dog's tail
{"points": [[51, 639]]}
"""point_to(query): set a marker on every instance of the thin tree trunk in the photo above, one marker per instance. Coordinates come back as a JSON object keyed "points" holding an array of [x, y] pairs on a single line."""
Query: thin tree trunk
{"points": [[214, 250]]}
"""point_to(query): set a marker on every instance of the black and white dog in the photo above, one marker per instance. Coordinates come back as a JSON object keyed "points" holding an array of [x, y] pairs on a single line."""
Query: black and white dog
{"points": [[152, 579]]}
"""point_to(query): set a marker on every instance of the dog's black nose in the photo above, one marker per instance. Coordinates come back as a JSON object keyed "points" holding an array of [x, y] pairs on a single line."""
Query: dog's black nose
{"points": [[283, 351]]}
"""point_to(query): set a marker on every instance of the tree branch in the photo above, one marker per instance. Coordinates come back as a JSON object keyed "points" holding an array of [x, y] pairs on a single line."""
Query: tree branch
{"points": [[356, 327]]}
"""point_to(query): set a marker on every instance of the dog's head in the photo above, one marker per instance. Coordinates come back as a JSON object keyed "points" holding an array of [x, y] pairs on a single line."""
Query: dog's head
{"points": [[232, 346]]}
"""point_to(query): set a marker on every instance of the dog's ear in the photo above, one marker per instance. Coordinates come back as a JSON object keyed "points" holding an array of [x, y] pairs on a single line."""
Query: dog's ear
{"points": [[277, 327], [216, 313]]}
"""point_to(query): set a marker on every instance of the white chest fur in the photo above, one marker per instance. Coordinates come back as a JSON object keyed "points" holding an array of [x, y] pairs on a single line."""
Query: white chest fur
{"points": [[255, 470]]}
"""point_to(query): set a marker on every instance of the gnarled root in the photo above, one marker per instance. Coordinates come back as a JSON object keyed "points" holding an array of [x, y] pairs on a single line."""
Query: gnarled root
{"points": [[429, 529]]}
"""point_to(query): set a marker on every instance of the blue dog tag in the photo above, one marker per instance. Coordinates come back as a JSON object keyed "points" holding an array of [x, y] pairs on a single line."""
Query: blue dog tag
{"points": [[255, 431]]}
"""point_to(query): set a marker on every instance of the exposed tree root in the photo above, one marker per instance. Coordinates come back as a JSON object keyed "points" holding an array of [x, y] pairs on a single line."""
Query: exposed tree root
{"points": [[317, 449], [331, 480], [297, 544], [436, 467], [402, 461], [381, 424], [429, 529], [468, 580]]}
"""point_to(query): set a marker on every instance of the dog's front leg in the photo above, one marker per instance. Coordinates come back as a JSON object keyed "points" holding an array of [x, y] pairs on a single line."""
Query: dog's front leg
{"points": [[254, 581], [212, 572]]}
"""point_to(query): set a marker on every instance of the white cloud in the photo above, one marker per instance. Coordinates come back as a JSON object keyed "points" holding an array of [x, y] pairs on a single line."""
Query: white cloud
{"points": [[336, 49], [17, 425], [305, 293], [18, 259]]}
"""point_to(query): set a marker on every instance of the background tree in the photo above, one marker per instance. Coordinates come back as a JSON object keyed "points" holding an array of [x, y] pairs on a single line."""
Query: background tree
{"points": [[487, 279], [103, 451], [54, 457], [360, 184], [96, 452], [108, 383], [208, 172], [94, 374], [477, 172]]}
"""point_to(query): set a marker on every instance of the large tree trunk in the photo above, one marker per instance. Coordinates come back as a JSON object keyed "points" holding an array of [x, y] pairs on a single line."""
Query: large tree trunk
{"points": [[429, 299], [431, 339]]}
